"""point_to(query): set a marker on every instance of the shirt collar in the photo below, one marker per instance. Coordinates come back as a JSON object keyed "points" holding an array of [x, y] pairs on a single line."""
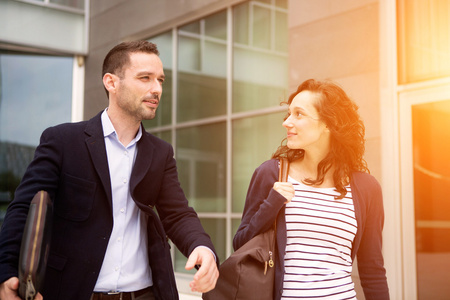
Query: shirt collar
{"points": [[108, 128]]}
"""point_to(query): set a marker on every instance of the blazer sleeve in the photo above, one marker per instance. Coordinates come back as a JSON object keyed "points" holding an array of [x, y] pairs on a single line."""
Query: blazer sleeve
{"points": [[41, 174], [370, 258], [180, 221], [262, 204]]}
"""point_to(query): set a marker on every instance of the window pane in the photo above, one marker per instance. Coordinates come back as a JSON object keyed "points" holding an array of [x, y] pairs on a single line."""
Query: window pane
{"points": [[189, 54], [259, 80], [281, 38], [281, 3], [201, 160], [164, 135], [193, 27], [260, 76], [202, 76], [71, 3], [216, 230], [35, 93], [423, 40], [261, 27], [164, 112], [431, 149], [240, 24], [215, 26], [254, 141]]}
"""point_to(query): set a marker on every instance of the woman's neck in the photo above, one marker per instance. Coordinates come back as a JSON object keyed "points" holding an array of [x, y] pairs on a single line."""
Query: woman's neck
{"points": [[306, 168]]}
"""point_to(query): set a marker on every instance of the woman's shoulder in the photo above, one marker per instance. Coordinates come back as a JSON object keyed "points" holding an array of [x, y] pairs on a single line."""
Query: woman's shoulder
{"points": [[366, 187], [266, 170], [364, 179], [271, 164]]}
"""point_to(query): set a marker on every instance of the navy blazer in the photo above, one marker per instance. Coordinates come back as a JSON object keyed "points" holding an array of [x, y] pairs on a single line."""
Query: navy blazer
{"points": [[264, 205], [71, 164]]}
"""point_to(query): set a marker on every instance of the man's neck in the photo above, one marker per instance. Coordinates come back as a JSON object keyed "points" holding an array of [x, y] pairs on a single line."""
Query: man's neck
{"points": [[126, 128]]}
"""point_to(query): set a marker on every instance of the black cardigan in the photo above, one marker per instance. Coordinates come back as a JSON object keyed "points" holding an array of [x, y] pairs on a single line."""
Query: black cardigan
{"points": [[263, 204]]}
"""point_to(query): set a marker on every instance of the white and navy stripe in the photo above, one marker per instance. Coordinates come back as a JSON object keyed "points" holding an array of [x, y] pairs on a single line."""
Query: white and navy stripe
{"points": [[320, 233]]}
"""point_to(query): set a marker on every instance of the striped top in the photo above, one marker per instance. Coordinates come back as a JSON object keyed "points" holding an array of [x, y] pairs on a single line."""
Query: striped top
{"points": [[320, 232]]}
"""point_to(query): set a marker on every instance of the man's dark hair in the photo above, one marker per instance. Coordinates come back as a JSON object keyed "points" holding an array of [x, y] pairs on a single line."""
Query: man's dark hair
{"points": [[119, 56]]}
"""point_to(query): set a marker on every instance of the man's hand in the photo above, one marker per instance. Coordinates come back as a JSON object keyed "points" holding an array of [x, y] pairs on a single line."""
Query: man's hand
{"points": [[206, 277], [9, 290]]}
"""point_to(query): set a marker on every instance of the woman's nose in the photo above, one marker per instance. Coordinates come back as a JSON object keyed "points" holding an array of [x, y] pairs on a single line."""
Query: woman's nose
{"points": [[287, 123]]}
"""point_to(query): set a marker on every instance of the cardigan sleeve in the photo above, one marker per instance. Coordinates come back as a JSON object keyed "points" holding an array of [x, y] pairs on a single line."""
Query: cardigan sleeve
{"points": [[262, 204], [369, 254]]}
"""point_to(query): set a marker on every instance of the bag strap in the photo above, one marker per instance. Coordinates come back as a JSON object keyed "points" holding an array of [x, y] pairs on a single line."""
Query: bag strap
{"points": [[283, 177], [283, 174], [284, 170]]}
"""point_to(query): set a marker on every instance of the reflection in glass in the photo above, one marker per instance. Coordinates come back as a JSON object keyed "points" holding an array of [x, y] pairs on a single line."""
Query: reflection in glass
{"points": [[71, 3], [241, 24], [193, 27], [216, 230], [164, 111], [201, 160], [254, 141], [35, 93], [261, 27], [164, 135], [431, 150], [423, 50], [189, 59], [260, 69], [202, 71], [215, 25], [203, 92], [281, 37]]}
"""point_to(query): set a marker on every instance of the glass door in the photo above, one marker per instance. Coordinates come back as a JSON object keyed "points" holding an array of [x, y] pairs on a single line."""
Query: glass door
{"points": [[431, 162], [425, 153]]}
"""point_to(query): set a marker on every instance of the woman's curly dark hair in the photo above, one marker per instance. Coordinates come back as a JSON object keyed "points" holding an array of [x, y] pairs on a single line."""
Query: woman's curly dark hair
{"points": [[347, 130]]}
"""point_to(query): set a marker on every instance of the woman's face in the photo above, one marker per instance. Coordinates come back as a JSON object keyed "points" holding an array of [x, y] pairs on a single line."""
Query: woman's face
{"points": [[304, 128]]}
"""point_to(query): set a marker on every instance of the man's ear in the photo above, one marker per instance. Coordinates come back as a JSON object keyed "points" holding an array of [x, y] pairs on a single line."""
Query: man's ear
{"points": [[110, 81]]}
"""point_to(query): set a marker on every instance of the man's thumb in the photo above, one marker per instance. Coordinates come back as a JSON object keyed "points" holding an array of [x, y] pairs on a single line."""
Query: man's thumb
{"points": [[192, 261]]}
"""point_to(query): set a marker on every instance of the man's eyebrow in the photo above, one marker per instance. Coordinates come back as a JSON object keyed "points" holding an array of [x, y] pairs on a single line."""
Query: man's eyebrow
{"points": [[149, 73]]}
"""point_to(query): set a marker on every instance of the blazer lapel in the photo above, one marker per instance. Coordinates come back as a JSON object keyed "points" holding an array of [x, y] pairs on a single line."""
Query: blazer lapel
{"points": [[143, 161], [95, 143]]}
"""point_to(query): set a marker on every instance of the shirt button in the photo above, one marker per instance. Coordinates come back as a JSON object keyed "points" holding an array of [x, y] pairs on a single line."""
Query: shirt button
{"points": [[122, 210], [125, 181]]}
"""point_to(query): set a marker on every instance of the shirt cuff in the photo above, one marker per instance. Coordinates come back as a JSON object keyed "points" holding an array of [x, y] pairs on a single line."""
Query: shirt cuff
{"points": [[215, 258]]}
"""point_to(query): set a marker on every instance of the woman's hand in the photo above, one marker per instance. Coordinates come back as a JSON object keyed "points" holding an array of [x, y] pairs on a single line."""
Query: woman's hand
{"points": [[286, 189]]}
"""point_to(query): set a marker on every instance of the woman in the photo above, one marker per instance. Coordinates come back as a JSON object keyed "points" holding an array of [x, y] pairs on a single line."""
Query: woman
{"points": [[330, 211]]}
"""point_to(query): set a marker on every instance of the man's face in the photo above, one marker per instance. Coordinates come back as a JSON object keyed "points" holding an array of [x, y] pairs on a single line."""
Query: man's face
{"points": [[140, 86]]}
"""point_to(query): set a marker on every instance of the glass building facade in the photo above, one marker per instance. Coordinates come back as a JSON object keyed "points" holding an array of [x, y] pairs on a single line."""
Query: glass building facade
{"points": [[226, 75], [40, 78]]}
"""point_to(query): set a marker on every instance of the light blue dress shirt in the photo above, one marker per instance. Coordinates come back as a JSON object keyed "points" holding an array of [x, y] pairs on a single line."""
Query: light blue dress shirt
{"points": [[125, 266]]}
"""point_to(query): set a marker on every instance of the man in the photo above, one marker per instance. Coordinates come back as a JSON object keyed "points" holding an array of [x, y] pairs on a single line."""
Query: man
{"points": [[105, 177]]}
